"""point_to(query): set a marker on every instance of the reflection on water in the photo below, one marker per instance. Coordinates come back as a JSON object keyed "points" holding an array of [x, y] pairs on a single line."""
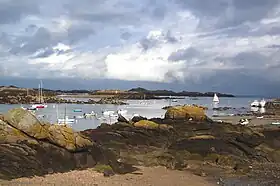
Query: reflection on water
{"points": [[147, 108]]}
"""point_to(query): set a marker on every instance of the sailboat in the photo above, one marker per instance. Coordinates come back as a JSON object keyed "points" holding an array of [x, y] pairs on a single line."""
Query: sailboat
{"points": [[216, 99], [41, 103], [262, 103], [66, 120]]}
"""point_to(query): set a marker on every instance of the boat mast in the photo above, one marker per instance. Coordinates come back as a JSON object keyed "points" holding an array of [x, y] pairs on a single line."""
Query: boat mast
{"points": [[42, 100], [39, 92]]}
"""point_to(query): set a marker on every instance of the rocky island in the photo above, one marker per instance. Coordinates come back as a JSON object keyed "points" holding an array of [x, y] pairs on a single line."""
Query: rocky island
{"points": [[185, 139], [17, 95]]}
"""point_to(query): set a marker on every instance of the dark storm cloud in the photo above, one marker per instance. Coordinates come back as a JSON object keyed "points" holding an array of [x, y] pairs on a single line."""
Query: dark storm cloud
{"points": [[12, 11], [30, 44], [230, 12]]}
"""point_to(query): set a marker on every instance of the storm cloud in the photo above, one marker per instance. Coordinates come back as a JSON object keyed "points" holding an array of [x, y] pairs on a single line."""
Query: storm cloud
{"points": [[163, 41]]}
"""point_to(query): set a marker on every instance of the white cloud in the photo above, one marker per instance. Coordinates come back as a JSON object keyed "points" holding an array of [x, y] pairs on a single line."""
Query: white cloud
{"points": [[127, 40]]}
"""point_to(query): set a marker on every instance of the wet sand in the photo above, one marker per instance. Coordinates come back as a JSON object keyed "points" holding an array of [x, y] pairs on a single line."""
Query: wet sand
{"points": [[145, 176]]}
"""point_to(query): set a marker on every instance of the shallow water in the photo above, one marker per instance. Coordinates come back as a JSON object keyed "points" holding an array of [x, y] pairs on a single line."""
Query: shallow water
{"points": [[153, 108]]}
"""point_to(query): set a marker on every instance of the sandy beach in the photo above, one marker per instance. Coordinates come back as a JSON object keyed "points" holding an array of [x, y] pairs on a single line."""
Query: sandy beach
{"points": [[145, 176]]}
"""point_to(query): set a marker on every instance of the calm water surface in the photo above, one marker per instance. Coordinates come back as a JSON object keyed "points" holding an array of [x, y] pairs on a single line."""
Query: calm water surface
{"points": [[153, 108]]}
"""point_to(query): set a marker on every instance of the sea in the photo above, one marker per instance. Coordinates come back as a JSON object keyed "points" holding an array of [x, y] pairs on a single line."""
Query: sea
{"points": [[146, 108]]}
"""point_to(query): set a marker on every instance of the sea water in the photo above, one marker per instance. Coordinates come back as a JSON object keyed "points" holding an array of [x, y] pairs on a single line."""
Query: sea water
{"points": [[146, 108]]}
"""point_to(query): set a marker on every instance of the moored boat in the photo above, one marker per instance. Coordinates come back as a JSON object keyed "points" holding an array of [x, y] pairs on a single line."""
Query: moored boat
{"points": [[216, 99]]}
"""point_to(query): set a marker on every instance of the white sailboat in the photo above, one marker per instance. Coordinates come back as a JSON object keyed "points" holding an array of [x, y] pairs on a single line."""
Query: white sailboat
{"points": [[66, 120], [216, 99], [262, 103]]}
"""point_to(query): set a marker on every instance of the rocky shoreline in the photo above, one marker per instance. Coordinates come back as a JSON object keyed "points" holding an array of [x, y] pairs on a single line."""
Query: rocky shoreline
{"points": [[57, 100], [186, 139]]}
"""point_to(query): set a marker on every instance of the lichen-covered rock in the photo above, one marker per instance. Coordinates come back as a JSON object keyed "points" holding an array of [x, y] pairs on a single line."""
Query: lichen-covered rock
{"points": [[29, 147], [67, 138], [9, 134], [146, 124], [186, 113], [63, 136], [151, 125], [26, 122], [138, 118]]}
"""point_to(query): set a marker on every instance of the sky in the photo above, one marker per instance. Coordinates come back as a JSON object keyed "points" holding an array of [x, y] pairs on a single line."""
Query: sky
{"points": [[196, 45]]}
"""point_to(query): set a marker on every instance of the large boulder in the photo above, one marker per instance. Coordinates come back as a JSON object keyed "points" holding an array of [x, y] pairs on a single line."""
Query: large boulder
{"points": [[29, 147], [186, 112], [62, 136]]}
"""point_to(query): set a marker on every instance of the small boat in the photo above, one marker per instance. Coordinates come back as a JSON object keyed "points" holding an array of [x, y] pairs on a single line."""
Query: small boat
{"points": [[39, 105], [108, 113], [29, 108], [243, 121], [66, 120], [122, 112], [276, 123], [262, 103], [216, 99], [77, 110], [174, 100], [255, 103], [91, 114], [79, 117]]}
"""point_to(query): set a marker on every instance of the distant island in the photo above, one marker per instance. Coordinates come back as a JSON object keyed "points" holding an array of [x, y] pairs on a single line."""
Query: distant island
{"points": [[17, 95]]}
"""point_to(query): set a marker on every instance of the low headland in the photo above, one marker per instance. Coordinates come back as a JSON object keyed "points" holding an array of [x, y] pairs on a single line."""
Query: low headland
{"points": [[185, 146], [17, 95]]}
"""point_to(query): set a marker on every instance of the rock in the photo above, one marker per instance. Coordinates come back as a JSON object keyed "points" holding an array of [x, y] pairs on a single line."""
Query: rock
{"points": [[108, 173], [22, 155], [28, 148], [200, 106], [222, 108], [62, 136], [26, 122], [110, 101], [226, 148], [103, 126], [67, 138], [186, 113], [138, 118], [151, 125], [122, 119], [146, 124]]}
